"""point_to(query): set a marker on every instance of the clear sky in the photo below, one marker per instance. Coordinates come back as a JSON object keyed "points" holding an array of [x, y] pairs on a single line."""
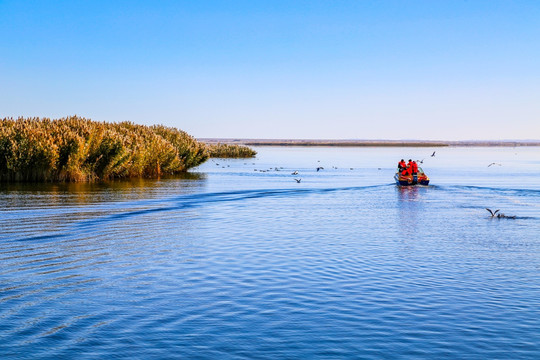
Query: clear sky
{"points": [[333, 69]]}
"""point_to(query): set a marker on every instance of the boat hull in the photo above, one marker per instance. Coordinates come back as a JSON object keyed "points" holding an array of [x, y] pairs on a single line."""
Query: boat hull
{"points": [[411, 180]]}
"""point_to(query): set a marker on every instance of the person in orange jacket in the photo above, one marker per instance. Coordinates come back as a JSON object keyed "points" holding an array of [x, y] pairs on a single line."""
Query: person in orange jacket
{"points": [[407, 170], [401, 165], [414, 168]]}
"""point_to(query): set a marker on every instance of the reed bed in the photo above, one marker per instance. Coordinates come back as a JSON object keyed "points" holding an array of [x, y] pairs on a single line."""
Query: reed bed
{"points": [[220, 150], [77, 149]]}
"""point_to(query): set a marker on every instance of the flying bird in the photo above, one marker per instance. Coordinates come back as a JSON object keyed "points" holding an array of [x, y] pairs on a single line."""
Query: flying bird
{"points": [[320, 168], [500, 215], [420, 161], [295, 172], [298, 180], [493, 213], [432, 155], [494, 164]]}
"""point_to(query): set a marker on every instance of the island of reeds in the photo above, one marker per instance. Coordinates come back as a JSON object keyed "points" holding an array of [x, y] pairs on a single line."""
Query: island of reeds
{"points": [[79, 149], [221, 150]]}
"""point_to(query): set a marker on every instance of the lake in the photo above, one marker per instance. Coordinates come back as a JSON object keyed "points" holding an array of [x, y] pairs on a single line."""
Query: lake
{"points": [[237, 260]]}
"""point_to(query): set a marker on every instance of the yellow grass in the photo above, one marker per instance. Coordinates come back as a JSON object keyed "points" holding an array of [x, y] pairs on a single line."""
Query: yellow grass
{"points": [[230, 151], [79, 149]]}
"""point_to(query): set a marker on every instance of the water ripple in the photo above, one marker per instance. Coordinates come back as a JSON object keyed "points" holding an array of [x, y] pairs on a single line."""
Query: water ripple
{"points": [[326, 270]]}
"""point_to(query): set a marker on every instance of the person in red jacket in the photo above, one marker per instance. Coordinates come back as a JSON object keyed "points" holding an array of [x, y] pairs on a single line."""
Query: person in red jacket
{"points": [[414, 167], [407, 170], [401, 165]]}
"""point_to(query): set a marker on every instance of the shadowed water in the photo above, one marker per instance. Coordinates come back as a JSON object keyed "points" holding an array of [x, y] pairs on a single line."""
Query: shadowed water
{"points": [[237, 260]]}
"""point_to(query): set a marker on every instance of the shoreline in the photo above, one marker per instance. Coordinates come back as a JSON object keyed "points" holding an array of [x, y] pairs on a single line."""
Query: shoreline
{"points": [[373, 143]]}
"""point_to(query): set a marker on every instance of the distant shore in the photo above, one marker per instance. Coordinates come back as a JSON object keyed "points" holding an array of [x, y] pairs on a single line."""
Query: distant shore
{"points": [[377, 143]]}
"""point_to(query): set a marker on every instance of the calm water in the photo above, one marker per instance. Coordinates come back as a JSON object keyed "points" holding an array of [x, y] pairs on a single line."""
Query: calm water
{"points": [[233, 262]]}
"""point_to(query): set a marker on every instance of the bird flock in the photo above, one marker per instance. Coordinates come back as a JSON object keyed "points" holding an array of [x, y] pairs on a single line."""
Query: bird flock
{"points": [[275, 168]]}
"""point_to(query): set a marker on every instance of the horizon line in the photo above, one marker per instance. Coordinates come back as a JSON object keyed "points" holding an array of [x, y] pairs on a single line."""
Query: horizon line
{"points": [[366, 142]]}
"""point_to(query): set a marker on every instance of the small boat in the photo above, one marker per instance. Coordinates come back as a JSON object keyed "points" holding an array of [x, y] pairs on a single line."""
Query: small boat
{"points": [[408, 180]]}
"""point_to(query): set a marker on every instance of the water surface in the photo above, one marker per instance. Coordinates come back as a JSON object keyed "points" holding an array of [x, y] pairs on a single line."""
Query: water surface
{"points": [[238, 260]]}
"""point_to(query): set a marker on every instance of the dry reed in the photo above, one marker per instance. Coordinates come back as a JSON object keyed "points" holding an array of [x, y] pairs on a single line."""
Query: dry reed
{"points": [[78, 149], [230, 151]]}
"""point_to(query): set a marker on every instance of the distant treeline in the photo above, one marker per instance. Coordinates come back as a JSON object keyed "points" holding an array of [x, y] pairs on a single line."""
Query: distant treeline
{"points": [[371, 143], [79, 149]]}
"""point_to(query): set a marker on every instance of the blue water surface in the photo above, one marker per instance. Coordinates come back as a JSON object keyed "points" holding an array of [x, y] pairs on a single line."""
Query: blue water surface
{"points": [[239, 261]]}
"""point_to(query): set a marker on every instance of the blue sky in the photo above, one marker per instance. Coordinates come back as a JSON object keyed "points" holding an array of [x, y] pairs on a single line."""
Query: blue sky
{"points": [[434, 70]]}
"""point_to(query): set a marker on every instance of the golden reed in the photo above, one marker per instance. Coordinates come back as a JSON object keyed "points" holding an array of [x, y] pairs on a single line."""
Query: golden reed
{"points": [[79, 149]]}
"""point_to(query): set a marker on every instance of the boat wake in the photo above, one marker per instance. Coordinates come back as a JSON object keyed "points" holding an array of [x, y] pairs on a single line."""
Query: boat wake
{"points": [[114, 212]]}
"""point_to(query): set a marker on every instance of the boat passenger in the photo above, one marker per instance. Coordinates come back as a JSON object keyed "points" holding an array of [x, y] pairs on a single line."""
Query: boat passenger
{"points": [[401, 165], [406, 171], [414, 168]]}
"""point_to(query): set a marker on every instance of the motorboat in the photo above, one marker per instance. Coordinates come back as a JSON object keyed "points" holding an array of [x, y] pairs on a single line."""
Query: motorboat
{"points": [[420, 178]]}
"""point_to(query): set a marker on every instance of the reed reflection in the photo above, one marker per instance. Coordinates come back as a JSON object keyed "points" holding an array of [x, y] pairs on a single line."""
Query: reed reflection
{"points": [[38, 210], [25, 195]]}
